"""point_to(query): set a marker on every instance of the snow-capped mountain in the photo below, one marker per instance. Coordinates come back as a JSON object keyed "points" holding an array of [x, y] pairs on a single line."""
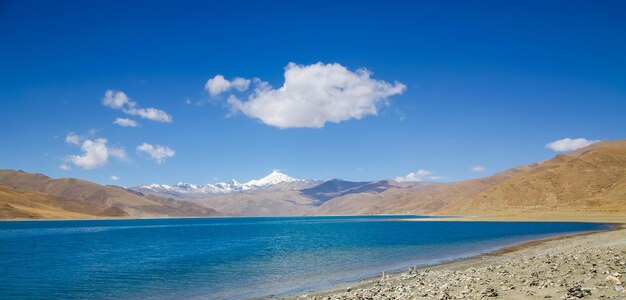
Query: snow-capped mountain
{"points": [[183, 190], [275, 177]]}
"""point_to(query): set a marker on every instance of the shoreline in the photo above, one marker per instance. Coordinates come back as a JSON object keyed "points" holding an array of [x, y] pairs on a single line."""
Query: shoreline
{"points": [[426, 217], [429, 217], [616, 218], [513, 252]]}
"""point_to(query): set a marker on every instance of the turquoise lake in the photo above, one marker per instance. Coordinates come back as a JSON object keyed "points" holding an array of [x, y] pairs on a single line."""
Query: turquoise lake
{"points": [[233, 258]]}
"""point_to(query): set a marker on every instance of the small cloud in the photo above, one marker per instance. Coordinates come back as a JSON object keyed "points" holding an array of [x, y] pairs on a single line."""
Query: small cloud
{"points": [[115, 178], [95, 154], [419, 175], [125, 122], [65, 167], [73, 139], [158, 152], [568, 144], [119, 100], [116, 100], [152, 114], [311, 96], [479, 169], [219, 84], [118, 153]]}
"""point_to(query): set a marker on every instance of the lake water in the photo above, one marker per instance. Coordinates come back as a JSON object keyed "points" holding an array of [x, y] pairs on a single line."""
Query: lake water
{"points": [[229, 258]]}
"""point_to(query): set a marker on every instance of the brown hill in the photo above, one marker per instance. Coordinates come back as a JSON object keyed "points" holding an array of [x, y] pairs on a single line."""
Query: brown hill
{"points": [[421, 198], [110, 197], [592, 179], [33, 205], [262, 203]]}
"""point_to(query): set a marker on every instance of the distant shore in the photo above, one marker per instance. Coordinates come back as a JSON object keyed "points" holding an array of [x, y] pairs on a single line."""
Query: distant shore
{"points": [[585, 217], [589, 264]]}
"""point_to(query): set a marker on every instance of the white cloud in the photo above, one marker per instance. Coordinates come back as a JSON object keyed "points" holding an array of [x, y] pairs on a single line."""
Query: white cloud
{"points": [[73, 139], [568, 144], [95, 154], [152, 114], [314, 95], [219, 84], [115, 178], [119, 100], [419, 175], [118, 153], [479, 169], [116, 100], [240, 84], [158, 153], [125, 122], [65, 167]]}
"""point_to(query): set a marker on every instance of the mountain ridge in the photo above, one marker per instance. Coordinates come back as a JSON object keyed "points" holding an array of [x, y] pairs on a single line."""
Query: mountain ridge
{"points": [[591, 179], [22, 204], [190, 190], [76, 190], [588, 179]]}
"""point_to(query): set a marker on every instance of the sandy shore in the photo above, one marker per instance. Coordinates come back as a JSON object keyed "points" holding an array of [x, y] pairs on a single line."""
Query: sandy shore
{"points": [[588, 266]]}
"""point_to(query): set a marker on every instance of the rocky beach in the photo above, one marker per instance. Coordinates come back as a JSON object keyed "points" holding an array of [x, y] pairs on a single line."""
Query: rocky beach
{"points": [[588, 266]]}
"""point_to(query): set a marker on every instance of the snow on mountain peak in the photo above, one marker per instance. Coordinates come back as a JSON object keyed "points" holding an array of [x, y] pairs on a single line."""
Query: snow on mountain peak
{"points": [[186, 186], [275, 177]]}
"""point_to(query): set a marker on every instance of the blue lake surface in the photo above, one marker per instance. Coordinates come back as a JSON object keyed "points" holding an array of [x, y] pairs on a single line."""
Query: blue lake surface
{"points": [[230, 258]]}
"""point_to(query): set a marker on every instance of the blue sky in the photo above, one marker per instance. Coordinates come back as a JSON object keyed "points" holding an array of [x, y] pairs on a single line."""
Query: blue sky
{"points": [[485, 84]]}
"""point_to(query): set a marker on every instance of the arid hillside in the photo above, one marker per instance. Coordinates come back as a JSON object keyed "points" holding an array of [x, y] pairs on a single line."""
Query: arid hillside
{"points": [[18, 204], [592, 179], [421, 198], [263, 203], [71, 192]]}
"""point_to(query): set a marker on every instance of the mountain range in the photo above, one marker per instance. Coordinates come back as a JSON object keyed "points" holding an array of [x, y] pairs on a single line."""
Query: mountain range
{"points": [[588, 180], [195, 191], [38, 196], [276, 194]]}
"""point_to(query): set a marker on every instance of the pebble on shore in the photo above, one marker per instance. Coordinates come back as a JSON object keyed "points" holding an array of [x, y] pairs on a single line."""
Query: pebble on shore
{"points": [[557, 269]]}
